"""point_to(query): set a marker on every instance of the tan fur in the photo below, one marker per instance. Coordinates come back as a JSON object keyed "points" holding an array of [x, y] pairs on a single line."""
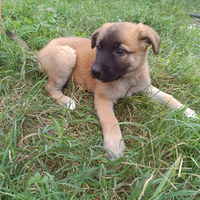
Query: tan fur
{"points": [[64, 59], [62, 56]]}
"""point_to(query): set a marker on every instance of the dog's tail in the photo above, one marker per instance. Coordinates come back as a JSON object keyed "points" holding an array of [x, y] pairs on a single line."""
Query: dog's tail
{"points": [[13, 37]]}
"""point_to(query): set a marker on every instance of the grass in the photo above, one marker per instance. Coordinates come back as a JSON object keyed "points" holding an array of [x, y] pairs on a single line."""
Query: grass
{"points": [[47, 152]]}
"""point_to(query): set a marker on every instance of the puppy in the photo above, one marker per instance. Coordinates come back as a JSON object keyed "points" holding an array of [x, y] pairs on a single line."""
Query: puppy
{"points": [[112, 65]]}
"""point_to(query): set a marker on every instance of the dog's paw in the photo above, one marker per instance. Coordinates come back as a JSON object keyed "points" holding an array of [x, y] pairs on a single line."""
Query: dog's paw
{"points": [[115, 150], [113, 156], [190, 113], [66, 101], [71, 105]]}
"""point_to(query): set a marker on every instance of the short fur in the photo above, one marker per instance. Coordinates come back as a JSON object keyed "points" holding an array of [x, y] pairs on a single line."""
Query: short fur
{"points": [[115, 66]]}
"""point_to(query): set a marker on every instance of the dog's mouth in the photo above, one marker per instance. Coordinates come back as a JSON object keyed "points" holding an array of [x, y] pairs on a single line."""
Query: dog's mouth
{"points": [[108, 78], [108, 72]]}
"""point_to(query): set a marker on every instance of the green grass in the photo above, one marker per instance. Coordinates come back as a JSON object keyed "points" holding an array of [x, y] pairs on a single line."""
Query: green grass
{"points": [[47, 152]]}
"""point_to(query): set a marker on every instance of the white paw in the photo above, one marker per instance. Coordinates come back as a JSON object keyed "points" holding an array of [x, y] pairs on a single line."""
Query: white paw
{"points": [[190, 113], [113, 156], [71, 104], [115, 150], [66, 101]]}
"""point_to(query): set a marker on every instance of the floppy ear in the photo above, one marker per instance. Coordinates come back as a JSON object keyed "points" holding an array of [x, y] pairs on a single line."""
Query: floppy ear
{"points": [[94, 38], [149, 37]]}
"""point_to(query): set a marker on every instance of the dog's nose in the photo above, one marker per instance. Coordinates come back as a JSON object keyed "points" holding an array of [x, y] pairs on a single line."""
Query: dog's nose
{"points": [[95, 72]]}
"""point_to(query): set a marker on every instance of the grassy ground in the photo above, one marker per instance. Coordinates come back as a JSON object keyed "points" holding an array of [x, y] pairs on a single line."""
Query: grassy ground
{"points": [[47, 152]]}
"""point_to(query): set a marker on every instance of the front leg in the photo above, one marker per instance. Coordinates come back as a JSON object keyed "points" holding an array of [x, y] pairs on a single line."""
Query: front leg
{"points": [[167, 99], [111, 131]]}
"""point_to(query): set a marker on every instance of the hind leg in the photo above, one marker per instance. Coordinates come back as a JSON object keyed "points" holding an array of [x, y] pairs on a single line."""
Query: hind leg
{"points": [[58, 62], [55, 91]]}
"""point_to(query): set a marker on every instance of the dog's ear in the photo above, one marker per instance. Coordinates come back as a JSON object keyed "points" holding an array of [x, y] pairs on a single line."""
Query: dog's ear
{"points": [[95, 35], [94, 38], [149, 37]]}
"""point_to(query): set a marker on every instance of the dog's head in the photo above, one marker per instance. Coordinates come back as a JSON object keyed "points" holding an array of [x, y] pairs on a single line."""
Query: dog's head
{"points": [[120, 48]]}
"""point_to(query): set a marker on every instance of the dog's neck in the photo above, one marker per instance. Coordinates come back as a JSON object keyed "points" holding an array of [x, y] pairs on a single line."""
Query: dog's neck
{"points": [[138, 78], [135, 81]]}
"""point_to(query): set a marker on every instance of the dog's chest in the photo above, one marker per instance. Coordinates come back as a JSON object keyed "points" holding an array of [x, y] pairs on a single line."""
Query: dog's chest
{"points": [[126, 88]]}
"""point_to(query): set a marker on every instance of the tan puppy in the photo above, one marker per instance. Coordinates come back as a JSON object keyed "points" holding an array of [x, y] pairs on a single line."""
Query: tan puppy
{"points": [[115, 66]]}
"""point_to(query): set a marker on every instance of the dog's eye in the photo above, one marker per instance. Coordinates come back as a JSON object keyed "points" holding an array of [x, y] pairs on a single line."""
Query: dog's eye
{"points": [[120, 52], [98, 47]]}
